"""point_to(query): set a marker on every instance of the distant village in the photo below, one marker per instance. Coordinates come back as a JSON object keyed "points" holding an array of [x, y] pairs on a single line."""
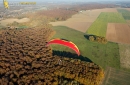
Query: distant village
{"points": [[17, 10]]}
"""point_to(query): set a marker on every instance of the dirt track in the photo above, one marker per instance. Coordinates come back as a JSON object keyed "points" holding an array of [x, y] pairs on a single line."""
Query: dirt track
{"points": [[82, 21], [118, 32]]}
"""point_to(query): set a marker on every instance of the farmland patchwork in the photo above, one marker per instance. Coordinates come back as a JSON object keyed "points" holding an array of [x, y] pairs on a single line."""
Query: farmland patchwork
{"points": [[99, 27]]}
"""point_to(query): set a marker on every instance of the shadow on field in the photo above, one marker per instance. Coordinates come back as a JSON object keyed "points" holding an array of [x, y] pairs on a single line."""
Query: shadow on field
{"points": [[70, 55], [87, 36]]}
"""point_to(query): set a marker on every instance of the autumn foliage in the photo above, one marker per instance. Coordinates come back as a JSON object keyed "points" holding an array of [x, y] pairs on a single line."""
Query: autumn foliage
{"points": [[57, 14], [98, 39], [25, 59]]}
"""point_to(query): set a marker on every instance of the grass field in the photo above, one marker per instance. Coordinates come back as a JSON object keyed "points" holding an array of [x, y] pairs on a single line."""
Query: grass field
{"points": [[101, 54], [125, 13], [82, 21], [99, 26], [1, 26], [79, 21], [22, 27], [124, 50], [116, 77]]}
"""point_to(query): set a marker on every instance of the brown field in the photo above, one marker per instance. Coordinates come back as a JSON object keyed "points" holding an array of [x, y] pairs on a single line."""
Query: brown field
{"points": [[107, 10], [7, 21], [82, 21], [117, 32], [128, 22], [126, 9]]}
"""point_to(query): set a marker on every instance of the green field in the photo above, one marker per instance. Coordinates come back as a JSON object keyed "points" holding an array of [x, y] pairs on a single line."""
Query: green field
{"points": [[125, 13], [124, 50], [101, 54], [99, 26], [1, 26], [22, 27], [116, 77], [105, 55]]}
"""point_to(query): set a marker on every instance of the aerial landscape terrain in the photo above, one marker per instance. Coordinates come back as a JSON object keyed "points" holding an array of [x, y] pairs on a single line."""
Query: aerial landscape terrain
{"points": [[98, 30]]}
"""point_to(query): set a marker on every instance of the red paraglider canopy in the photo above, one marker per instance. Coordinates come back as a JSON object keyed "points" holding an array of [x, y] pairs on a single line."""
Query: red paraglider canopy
{"points": [[65, 43]]}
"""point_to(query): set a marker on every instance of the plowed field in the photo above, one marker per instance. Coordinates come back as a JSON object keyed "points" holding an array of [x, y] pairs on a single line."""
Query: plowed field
{"points": [[82, 21], [117, 32]]}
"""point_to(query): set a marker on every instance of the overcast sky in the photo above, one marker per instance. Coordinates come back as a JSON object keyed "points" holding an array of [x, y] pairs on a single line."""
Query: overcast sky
{"points": [[69, 0]]}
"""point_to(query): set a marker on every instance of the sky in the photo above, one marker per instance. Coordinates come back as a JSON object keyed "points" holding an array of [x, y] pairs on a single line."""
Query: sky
{"points": [[69, 0]]}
